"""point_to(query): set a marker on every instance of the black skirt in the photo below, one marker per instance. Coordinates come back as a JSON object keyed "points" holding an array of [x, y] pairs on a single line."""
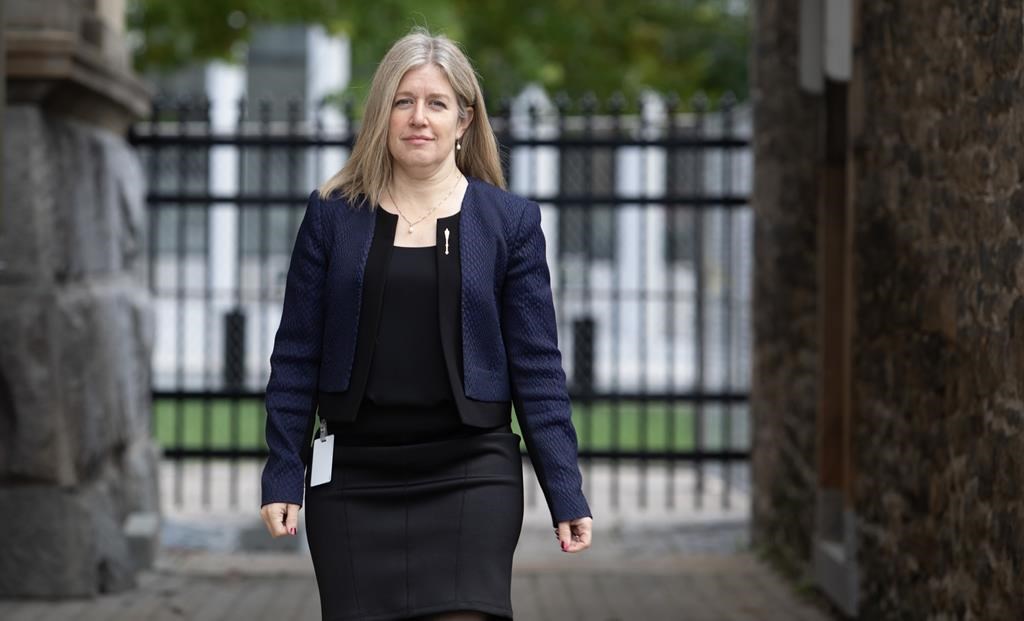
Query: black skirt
{"points": [[424, 526]]}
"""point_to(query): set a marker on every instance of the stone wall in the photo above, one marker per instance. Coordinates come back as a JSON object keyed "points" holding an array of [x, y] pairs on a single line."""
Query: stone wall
{"points": [[937, 190], [784, 388], [939, 337], [76, 459], [78, 466]]}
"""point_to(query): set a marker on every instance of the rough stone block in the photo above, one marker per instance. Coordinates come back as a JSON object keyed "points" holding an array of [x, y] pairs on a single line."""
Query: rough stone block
{"points": [[36, 445], [141, 484], [91, 344], [92, 223], [75, 371], [85, 230], [77, 547], [27, 252]]}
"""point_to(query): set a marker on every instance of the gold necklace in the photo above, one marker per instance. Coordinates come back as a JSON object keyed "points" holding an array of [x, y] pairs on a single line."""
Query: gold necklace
{"points": [[432, 209]]}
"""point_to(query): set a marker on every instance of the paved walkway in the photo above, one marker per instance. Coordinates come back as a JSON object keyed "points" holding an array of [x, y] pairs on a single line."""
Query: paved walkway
{"points": [[641, 575], [651, 561]]}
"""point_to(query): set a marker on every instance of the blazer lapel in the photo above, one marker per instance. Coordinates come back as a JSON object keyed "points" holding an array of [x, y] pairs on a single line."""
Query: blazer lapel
{"points": [[473, 244], [479, 241], [352, 230]]}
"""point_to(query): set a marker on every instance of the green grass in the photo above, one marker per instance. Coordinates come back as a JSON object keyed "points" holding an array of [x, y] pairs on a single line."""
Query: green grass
{"points": [[601, 426]]}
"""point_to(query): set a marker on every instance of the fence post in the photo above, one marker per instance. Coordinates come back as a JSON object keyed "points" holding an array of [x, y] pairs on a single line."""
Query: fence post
{"points": [[234, 349]]}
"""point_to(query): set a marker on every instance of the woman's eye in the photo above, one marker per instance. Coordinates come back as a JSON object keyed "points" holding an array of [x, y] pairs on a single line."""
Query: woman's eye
{"points": [[435, 103]]}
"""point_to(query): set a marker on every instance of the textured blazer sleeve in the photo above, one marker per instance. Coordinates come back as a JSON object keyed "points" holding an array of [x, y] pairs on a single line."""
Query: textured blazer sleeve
{"points": [[294, 364], [538, 384]]}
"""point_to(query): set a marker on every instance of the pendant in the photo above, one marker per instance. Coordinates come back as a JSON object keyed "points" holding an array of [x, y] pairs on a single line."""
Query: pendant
{"points": [[410, 229], [446, 240]]}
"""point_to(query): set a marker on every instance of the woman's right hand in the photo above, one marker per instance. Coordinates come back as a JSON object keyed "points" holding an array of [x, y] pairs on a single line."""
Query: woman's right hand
{"points": [[281, 518]]}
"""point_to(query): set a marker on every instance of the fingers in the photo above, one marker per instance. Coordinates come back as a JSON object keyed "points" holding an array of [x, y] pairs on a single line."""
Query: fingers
{"points": [[280, 518], [575, 535], [564, 535], [291, 521], [582, 529], [273, 516]]}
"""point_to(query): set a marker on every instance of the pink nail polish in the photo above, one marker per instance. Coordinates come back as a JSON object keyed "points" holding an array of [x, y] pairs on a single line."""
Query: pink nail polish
{"points": [[292, 530]]}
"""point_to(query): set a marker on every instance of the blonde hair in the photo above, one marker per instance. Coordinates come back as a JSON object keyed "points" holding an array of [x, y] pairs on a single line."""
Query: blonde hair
{"points": [[368, 169]]}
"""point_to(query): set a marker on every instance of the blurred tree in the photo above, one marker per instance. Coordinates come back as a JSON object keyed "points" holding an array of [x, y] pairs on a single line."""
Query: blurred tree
{"points": [[574, 46], [168, 34], [607, 46]]}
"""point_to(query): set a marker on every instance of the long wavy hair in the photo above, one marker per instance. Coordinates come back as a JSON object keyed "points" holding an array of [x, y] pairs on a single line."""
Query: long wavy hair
{"points": [[367, 171]]}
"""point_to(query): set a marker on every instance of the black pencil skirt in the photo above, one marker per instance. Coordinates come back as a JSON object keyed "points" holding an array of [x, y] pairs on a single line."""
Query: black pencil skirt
{"points": [[407, 530]]}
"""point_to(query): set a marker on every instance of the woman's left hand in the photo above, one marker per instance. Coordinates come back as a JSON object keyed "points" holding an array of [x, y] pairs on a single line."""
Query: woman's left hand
{"points": [[574, 535]]}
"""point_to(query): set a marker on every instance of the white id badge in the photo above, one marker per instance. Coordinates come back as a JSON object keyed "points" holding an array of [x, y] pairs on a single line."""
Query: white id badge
{"points": [[323, 460]]}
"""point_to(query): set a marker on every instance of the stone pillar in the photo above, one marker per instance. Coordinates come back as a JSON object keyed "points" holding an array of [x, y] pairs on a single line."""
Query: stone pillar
{"points": [[111, 13], [3, 99], [934, 186], [788, 130], [938, 373], [78, 467]]}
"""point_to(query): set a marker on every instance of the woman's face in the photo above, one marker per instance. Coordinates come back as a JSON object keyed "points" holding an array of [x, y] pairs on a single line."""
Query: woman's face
{"points": [[425, 120]]}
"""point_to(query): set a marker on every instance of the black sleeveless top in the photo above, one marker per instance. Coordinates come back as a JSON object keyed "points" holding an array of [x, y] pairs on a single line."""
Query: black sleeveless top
{"points": [[408, 396], [408, 366]]}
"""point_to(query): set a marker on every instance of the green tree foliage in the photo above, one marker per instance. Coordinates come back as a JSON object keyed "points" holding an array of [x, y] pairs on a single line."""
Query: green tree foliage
{"points": [[608, 46], [575, 46], [173, 33]]}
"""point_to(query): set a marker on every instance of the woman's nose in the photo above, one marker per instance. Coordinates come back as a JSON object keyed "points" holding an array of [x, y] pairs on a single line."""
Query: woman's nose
{"points": [[418, 116]]}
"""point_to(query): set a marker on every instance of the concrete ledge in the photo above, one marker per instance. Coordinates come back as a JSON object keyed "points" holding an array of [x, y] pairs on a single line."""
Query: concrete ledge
{"points": [[71, 64], [142, 532], [835, 552]]}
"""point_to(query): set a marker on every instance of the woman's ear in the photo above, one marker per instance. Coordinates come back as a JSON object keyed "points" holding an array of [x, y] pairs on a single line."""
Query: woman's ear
{"points": [[466, 121]]}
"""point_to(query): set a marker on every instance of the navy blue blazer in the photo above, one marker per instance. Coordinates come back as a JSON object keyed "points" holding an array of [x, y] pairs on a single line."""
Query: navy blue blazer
{"points": [[509, 336]]}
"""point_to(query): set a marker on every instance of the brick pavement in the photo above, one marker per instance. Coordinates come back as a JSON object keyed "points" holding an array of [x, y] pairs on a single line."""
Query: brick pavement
{"points": [[648, 563], [621, 581]]}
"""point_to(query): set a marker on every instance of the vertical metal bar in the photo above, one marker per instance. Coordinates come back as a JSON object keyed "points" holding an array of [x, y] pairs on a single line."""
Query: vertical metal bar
{"points": [[505, 137], [232, 403], [698, 268], [586, 431], [674, 225], [153, 186], [182, 110], [727, 292], [292, 182], [645, 299], [588, 107], [588, 252], [154, 213], [241, 185], [259, 299], [206, 402], [351, 128], [316, 160]]}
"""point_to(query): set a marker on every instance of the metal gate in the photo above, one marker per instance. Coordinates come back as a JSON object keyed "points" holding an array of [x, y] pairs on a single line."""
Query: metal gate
{"points": [[649, 233]]}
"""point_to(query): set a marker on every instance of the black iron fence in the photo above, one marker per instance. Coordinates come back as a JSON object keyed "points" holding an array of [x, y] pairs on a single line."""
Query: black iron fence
{"points": [[645, 210]]}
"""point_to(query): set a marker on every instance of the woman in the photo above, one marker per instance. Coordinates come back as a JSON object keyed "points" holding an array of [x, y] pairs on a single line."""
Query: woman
{"points": [[417, 312]]}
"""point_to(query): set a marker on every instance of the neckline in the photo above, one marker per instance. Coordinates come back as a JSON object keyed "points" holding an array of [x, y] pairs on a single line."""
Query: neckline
{"points": [[465, 197]]}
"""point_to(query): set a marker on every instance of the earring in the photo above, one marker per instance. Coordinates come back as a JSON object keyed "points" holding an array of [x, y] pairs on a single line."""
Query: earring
{"points": [[458, 145]]}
